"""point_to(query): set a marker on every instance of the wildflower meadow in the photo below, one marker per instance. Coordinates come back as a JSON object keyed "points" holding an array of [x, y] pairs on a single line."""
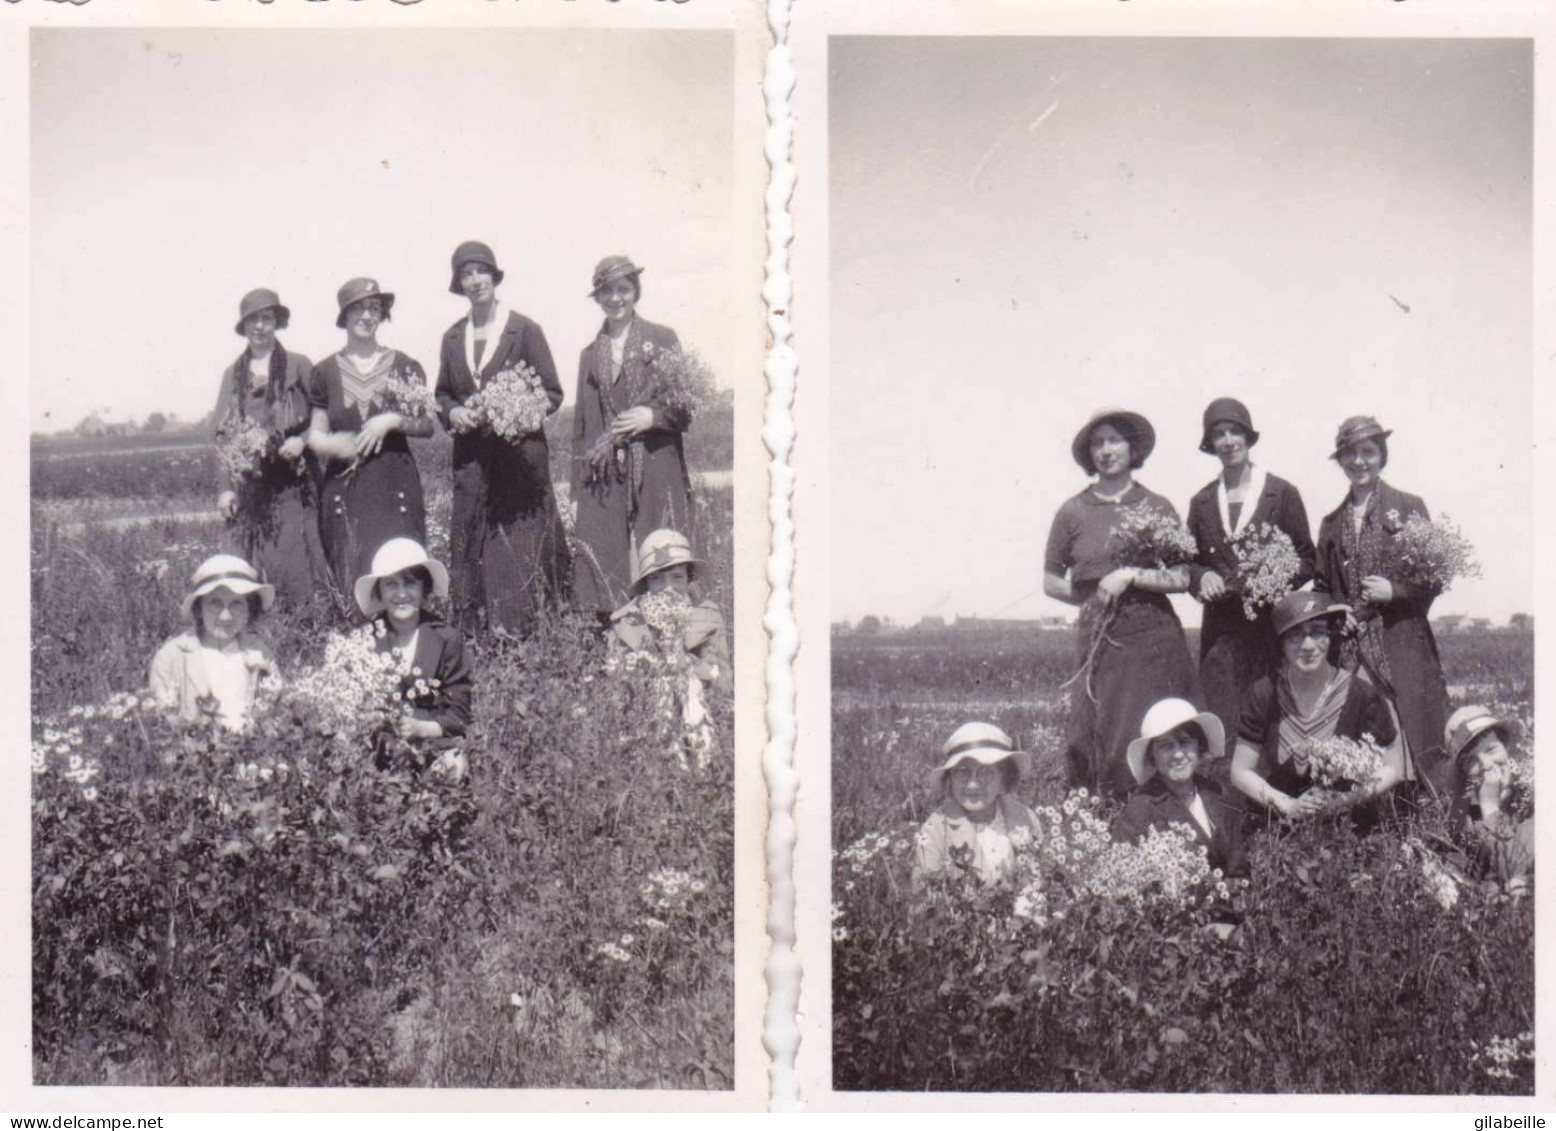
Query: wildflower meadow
{"points": [[296, 906], [1344, 963]]}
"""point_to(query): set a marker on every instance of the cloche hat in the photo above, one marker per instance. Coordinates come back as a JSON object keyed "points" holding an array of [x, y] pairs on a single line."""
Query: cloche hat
{"points": [[661, 550], [611, 268], [1467, 724], [1355, 429], [472, 251], [1301, 606], [354, 291], [1227, 410], [261, 299]]}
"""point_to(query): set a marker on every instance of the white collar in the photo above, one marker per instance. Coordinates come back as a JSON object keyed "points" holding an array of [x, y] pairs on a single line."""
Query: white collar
{"points": [[1250, 501], [494, 332]]}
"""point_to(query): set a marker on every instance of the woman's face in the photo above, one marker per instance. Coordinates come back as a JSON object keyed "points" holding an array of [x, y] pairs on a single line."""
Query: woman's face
{"points": [[677, 578], [1305, 647], [477, 281], [1363, 463], [260, 330], [617, 299], [363, 318], [223, 615], [1109, 451], [402, 594], [975, 787], [1490, 755], [1176, 755], [1230, 443]]}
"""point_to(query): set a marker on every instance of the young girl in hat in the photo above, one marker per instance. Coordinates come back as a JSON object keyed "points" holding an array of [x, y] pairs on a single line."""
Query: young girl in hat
{"points": [[663, 592], [217, 667], [435, 679], [1501, 846], [978, 810]]}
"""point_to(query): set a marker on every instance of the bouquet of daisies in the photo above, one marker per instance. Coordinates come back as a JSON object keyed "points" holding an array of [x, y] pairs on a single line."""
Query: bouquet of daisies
{"points": [[242, 444], [409, 397], [1432, 555], [1340, 763], [1149, 538], [513, 403], [680, 381], [1267, 564]]}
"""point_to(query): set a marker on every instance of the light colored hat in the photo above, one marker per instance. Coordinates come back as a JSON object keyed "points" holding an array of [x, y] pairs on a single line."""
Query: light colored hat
{"points": [[1164, 717], [230, 572], [1467, 724], [661, 550], [393, 556], [985, 744]]}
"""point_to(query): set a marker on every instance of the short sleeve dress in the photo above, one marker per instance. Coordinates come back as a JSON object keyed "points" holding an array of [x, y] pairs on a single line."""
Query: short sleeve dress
{"points": [[1351, 708], [365, 503], [1144, 658]]}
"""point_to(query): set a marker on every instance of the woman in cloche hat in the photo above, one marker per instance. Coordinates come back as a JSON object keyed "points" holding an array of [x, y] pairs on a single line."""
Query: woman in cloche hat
{"points": [[978, 810], [667, 568], [1308, 698], [362, 417], [507, 547], [629, 467], [216, 667], [1501, 847], [395, 595], [272, 508], [1234, 651], [1392, 637], [1147, 658], [1176, 743]]}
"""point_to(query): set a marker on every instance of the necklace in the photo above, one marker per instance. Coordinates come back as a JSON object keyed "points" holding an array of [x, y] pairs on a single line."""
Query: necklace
{"points": [[1110, 498]]}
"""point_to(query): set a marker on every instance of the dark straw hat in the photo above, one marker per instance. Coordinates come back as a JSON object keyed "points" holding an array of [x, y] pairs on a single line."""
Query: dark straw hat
{"points": [[1142, 437], [1227, 410], [1355, 429], [472, 251], [1302, 606], [611, 268], [355, 291], [262, 299]]}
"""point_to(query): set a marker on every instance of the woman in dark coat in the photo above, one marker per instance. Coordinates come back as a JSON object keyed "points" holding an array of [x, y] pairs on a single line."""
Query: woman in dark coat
{"points": [[1144, 657], [1391, 639], [1235, 652], [629, 468], [372, 487], [506, 543], [272, 512]]}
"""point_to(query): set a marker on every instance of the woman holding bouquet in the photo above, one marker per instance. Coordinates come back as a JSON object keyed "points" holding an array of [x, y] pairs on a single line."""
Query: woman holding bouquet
{"points": [[629, 468], [1306, 702], [268, 495], [366, 401], [1390, 638], [506, 543], [1131, 646], [1245, 505]]}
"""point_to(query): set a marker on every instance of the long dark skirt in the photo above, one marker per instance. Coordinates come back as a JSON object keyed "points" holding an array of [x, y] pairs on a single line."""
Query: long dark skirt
{"points": [[1234, 654], [380, 500], [276, 530], [1144, 659]]}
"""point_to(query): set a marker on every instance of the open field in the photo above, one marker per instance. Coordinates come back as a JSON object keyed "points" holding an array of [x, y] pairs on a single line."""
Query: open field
{"points": [[1346, 975]]}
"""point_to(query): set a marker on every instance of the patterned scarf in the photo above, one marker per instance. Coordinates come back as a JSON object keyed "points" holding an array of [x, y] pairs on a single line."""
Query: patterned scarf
{"points": [[630, 391], [1365, 554], [1295, 730], [275, 388]]}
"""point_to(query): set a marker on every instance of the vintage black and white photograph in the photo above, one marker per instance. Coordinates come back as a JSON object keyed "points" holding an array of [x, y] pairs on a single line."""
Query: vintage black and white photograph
{"points": [[385, 617], [1181, 571]]}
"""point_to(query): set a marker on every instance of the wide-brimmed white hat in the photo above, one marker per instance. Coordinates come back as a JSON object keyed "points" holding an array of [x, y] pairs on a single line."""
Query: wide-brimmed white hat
{"points": [[393, 556], [1164, 717], [227, 571], [662, 550], [983, 743]]}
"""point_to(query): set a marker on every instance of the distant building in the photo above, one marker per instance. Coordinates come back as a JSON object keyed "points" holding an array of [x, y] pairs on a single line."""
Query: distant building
{"points": [[1449, 623], [994, 624], [931, 624], [1479, 624], [1521, 622]]}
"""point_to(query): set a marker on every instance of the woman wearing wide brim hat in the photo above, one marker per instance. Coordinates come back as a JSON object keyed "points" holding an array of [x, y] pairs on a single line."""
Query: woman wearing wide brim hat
{"points": [[1177, 745], [1235, 650], [507, 545], [1145, 656], [975, 783], [219, 659], [396, 594], [362, 424], [629, 464], [270, 503], [1392, 640], [1308, 698]]}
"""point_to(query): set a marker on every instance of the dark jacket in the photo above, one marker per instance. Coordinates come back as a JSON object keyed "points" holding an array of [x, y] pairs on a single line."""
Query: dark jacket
{"points": [[284, 410], [440, 655], [521, 340], [1154, 806]]}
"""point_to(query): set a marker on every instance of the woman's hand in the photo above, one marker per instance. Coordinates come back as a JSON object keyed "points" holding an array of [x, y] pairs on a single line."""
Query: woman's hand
{"points": [[227, 504], [1493, 785], [633, 422], [1377, 590], [409, 726], [1114, 584], [371, 438], [292, 447], [462, 419], [1211, 587], [450, 763]]}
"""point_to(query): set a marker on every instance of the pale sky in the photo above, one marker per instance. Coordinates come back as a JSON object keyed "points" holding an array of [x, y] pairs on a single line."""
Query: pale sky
{"points": [[174, 170], [1024, 230]]}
